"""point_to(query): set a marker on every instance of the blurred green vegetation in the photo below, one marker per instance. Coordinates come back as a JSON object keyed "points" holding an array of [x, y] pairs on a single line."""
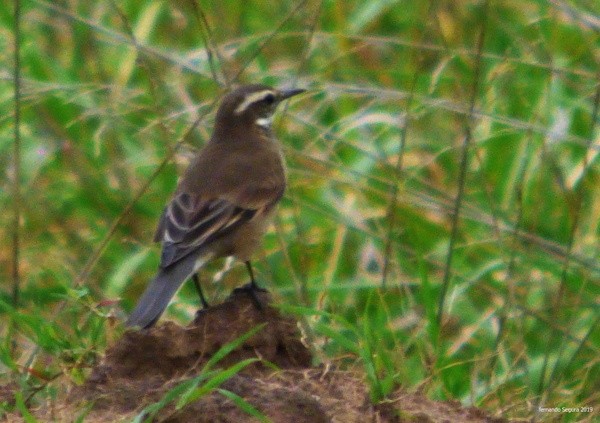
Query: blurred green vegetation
{"points": [[441, 225]]}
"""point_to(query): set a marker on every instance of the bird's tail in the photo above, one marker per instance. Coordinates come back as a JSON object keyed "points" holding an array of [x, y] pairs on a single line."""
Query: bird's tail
{"points": [[160, 291]]}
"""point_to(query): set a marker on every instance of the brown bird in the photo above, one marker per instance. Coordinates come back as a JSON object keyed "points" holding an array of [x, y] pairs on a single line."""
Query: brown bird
{"points": [[223, 203]]}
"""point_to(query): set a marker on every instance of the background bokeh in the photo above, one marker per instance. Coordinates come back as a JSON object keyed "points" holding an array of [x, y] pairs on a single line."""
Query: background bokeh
{"points": [[441, 226]]}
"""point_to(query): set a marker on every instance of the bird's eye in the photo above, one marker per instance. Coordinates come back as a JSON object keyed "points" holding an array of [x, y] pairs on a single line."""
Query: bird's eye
{"points": [[269, 98]]}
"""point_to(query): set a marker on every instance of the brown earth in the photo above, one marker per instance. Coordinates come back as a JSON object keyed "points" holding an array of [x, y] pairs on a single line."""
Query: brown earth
{"points": [[145, 364]]}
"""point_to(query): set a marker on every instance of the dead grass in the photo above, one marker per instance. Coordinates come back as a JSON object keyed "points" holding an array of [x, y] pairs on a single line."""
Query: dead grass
{"points": [[143, 365]]}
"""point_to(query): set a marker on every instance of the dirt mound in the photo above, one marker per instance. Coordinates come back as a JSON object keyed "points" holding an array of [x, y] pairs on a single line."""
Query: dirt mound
{"points": [[169, 350], [145, 364]]}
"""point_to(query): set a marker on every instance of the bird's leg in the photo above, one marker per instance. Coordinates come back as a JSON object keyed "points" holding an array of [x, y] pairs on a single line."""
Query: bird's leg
{"points": [[252, 288], [199, 290], [252, 280], [253, 285]]}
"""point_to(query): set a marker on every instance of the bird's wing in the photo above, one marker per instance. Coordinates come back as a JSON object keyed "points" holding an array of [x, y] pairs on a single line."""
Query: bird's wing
{"points": [[190, 221]]}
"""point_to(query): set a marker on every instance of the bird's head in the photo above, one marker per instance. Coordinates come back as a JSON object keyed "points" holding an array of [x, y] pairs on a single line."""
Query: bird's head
{"points": [[251, 105]]}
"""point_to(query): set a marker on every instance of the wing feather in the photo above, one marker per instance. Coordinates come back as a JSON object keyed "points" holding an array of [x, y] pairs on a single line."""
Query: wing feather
{"points": [[190, 222]]}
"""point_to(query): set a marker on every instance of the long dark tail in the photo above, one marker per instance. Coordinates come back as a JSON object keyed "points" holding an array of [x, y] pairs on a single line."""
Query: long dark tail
{"points": [[160, 291]]}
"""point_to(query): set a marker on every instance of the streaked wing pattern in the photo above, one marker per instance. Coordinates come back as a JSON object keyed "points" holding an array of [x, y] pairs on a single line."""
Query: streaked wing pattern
{"points": [[190, 222]]}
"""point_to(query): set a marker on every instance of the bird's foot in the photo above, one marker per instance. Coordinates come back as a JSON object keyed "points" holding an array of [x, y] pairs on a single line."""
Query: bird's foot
{"points": [[251, 289], [200, 312]]}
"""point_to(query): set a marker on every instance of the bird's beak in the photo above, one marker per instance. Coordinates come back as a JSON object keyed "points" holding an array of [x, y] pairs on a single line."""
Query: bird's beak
{"points": [[285, 94]]}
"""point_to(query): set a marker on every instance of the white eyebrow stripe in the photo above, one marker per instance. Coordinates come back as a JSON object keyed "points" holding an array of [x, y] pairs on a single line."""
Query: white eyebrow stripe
{"points": [[252, 98]]}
